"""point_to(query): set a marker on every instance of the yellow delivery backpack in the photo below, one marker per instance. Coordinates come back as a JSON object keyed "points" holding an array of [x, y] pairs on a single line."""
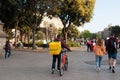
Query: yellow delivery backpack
{"points": [[55, 48]]}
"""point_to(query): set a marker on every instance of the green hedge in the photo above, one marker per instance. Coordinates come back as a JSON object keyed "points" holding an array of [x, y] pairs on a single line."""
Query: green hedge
{"points": [[40, 44], [73, 44]]}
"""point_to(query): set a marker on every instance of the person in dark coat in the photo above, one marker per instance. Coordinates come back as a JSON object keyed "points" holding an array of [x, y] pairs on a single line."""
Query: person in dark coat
{"points": [[7, 49], [111, 47]]}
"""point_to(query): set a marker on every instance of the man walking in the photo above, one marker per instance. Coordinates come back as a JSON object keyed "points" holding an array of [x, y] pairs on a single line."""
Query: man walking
{"points": [[111, 47]]}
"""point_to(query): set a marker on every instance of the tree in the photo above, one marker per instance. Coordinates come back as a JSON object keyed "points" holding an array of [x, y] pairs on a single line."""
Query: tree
{"points": [[115, 30], [11, 14], [60, 31], [40, 35], [25, 33], [7, 13], [86, 34], [28, 11], [94, 36], [77, 12], [73, 32], [31, 12], [34, 10]]}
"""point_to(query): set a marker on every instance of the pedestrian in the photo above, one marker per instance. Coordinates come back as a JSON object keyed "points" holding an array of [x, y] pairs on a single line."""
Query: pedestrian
{"points": [[99, 51], [111, 47], [88, 45], [44, 44], [91, 46], [58, 57], [7, 49]]}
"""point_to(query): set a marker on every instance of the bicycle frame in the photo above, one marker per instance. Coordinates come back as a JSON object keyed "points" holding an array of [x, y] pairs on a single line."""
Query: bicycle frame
{"points": [[64, 56]]}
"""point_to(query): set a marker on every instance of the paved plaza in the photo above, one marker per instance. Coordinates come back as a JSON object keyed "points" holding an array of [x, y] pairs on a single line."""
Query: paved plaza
{"points": [[36, 65]]}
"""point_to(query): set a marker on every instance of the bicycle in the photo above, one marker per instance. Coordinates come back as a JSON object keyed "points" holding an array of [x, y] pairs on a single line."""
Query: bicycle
{"points": [[64, 62]]}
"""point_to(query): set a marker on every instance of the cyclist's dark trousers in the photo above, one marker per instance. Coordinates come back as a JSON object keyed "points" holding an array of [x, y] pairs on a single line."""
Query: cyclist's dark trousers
{"points": [[56, 57]]}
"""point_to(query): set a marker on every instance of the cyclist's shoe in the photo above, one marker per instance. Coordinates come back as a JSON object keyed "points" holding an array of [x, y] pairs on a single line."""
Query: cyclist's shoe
{"points": [[110, 67], [113, 70], [53, 70]]}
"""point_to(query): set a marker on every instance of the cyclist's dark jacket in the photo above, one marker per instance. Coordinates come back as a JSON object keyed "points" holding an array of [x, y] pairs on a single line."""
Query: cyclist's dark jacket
{"points": [[63, 44]]}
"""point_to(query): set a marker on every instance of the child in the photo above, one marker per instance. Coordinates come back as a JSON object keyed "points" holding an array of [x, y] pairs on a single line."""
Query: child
{"points": [[99, 50]]}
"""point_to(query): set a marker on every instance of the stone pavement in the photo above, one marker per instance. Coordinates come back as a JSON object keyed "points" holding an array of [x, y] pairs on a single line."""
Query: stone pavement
{"points": [[36, 65]]}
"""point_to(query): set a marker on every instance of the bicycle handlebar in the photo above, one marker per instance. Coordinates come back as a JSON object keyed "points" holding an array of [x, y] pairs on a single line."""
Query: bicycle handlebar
{"points": [[65, 50]]}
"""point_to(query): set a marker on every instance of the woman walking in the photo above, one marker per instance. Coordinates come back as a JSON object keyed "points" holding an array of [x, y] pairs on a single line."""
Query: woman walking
{"points": [[99, 50]]}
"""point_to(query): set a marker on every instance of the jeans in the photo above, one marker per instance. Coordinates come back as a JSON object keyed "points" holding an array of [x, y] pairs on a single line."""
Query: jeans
{"points": [[98, 60], [7, 53], [56, 57]]}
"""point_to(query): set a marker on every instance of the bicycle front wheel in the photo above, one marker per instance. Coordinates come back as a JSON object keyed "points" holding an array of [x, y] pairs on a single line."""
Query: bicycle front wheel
{"points": [[66, 64], [61, 72]]}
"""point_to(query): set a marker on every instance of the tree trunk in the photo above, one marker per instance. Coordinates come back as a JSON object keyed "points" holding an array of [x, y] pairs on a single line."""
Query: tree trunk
{"points": [[33, 39], [28, 37], [65, 34], [21, 37], [16, 34], [66, 37]]}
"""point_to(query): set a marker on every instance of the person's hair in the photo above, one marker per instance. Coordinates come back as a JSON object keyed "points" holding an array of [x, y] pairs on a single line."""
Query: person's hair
{"points": [[99, 42]]}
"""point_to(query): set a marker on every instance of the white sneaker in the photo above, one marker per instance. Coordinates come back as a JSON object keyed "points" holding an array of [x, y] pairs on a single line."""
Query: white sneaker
{"points": [[98, 69], [53, 71]]}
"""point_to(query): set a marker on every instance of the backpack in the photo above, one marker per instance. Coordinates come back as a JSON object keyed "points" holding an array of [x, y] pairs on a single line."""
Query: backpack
{"points": [[55, 48], [112, 45]]}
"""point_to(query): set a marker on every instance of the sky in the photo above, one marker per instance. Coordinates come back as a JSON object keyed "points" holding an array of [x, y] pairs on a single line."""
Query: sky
{"points": [[106, 12]]}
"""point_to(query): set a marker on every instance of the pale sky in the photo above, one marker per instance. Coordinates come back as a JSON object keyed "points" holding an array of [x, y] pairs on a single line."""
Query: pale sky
{"points": [[105, 12]]}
